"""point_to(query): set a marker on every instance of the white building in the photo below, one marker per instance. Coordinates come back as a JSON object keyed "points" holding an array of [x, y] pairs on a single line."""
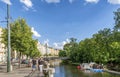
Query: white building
{"points": [[41, 48], [47, 50], [2, 49]]}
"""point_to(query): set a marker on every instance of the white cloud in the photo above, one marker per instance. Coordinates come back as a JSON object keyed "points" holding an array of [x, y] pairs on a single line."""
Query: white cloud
{"points": [[28, 3], [52, 1], [35, 33], [46, 42], [71, 1], [114, 1], [92, 1], [67, 40], [60, 44], [7, 2], [57, 1], [26, 8]]}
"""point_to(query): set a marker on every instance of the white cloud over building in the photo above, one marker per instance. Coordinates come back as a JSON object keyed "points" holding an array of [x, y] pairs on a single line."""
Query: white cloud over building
{"points": [[59, 45], [46, 42], [35, 33]]}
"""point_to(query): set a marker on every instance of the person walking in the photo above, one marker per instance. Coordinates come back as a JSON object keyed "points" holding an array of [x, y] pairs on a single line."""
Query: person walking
{"points": [[40, 63], [33, 65]]}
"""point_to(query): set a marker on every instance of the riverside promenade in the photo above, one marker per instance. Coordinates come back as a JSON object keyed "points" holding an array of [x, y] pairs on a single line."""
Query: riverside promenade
{"points": [[16, 72], [22, 72]]}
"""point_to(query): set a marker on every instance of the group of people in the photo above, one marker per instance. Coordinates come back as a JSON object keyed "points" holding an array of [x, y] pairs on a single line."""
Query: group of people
{"points": [[38, 63], [96, 66], [43, 63]]}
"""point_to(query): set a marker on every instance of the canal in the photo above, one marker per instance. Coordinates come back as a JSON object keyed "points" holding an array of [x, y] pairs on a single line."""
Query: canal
{"points": [[72, 71]]}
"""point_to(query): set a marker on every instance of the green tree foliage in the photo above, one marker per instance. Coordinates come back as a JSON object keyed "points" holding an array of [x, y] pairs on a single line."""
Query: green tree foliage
{"points": [[103, 47], [117, 20], [103, 42], [86, 50], [71, 49], [66, 48], [62, 53], [21, 38]]}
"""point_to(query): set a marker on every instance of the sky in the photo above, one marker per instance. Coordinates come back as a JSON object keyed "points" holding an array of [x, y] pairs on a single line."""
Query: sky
{"points": [[55, 21]]}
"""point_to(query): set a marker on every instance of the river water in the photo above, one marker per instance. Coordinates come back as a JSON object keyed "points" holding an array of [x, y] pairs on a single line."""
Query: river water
{"points": [[72, 71]]}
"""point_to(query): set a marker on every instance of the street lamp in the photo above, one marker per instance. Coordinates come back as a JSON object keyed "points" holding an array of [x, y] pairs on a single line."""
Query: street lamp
{"points": [[9, 46], [46, 50]]}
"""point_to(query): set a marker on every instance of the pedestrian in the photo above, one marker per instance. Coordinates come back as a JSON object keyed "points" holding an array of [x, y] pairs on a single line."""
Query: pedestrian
{"points": [[40, 64], [33, 65]]}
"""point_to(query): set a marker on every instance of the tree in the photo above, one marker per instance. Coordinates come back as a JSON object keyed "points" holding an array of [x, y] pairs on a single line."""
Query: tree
{"points": [[116, 35], [117, 20], [103, 47], [32, 51], [71, 49], [103, 42], [62, 53], [87, 50], [21, 38]]}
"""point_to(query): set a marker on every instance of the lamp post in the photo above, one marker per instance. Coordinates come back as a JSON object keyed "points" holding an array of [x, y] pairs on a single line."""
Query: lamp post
{"points": [[9, 46], [46, 50]]}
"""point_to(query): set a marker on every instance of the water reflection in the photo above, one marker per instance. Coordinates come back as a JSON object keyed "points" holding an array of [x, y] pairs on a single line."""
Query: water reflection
{"points": [[72, 71]]}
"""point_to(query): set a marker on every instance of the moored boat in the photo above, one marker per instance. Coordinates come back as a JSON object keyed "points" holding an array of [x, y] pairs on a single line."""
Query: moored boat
{"points": [[96, 70], [85, 66], [93, 67]]}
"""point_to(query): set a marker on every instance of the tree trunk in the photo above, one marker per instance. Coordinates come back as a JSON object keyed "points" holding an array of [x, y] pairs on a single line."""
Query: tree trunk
{"points": [[20, 60]]}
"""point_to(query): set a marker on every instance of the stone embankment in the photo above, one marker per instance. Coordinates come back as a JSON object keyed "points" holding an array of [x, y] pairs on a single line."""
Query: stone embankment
{"points": [[113, 72]]}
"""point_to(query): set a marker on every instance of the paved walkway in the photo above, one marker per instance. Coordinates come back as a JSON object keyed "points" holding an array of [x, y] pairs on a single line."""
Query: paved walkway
{"points": [[23, 72]]}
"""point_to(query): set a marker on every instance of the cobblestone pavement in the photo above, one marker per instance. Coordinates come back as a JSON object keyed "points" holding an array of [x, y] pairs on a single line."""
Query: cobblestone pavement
{"points": [[36, 74], [22, 72], [19, 72]]}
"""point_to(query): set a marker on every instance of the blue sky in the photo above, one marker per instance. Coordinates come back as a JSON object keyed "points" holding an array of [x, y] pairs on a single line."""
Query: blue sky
{"points": [[54, 21]]}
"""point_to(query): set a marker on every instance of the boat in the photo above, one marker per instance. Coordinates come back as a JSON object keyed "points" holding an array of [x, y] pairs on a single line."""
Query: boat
{"points": [[93, 67], [96, 70], [85, 66]]}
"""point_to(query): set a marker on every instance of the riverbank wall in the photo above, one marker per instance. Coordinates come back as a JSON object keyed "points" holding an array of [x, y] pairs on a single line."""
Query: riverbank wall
{"points": [[112, 72]]}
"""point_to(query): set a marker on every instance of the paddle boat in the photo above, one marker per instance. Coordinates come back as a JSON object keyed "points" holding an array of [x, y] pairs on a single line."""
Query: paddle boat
{"points": [[85, 66], [96, 70], [93, 67]]}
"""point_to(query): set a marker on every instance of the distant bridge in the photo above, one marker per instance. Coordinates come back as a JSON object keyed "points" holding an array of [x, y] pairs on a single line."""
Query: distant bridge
{"points": [[64, 58], [56, 57]]}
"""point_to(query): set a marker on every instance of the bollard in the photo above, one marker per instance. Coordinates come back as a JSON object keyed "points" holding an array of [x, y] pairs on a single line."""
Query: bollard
{"points": [[51, 72], [45, 72]]}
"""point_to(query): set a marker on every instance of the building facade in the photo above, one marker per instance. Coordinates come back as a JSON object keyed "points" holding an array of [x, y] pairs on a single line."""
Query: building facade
{"points": [[41, 48], [2, 49], [47, 50]]}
